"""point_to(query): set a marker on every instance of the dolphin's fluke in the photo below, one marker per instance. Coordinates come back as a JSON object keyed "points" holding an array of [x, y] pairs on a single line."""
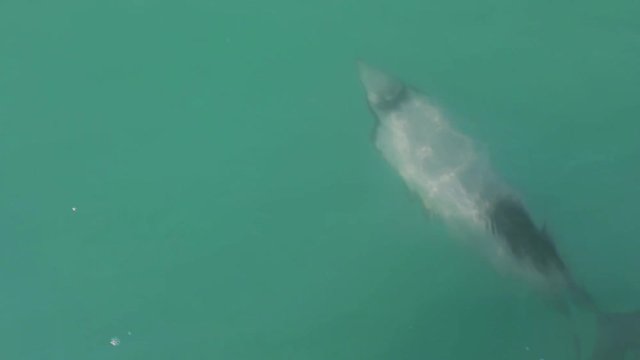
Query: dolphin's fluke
{"points": [[618, 335]]}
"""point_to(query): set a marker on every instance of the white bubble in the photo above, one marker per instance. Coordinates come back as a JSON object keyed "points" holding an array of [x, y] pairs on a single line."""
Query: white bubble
{"points": [[74, 209], [114, 341]]}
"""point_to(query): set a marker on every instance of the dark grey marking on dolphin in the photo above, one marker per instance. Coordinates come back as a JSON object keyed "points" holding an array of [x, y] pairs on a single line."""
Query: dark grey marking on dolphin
{"points": [[509, 219]]}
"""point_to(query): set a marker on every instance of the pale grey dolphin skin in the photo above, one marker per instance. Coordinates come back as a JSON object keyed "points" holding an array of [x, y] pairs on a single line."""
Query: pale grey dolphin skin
{"points": [[441, 166]]}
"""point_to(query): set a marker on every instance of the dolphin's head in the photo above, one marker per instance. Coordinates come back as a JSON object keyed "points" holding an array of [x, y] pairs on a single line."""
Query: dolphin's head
{"points": [[384, 92]]}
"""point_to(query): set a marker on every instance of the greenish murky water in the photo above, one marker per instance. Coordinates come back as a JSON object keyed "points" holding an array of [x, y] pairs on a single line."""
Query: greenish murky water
{"points": [[230, 203]]}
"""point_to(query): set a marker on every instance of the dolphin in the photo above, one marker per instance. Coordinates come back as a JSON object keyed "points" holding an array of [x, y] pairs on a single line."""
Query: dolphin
{"points": [[455, 181]]}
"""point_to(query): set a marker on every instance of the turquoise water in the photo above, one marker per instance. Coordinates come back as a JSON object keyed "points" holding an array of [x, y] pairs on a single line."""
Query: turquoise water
{"points": [[230, 203]]}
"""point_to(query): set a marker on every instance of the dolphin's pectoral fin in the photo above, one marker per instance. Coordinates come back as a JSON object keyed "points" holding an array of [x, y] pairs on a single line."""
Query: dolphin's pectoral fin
{"points": [[618, 336]]}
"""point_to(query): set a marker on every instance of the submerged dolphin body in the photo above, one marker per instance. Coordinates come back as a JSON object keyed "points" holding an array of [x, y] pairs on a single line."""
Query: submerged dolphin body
{"points": [[454, 181]]}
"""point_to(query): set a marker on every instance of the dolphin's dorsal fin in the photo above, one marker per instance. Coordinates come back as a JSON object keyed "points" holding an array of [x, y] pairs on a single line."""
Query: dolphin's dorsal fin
{"points": [[545, 231]]}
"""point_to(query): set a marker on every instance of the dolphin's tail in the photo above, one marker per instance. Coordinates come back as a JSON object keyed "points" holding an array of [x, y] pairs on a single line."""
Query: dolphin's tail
{"points": [[618, 335]]}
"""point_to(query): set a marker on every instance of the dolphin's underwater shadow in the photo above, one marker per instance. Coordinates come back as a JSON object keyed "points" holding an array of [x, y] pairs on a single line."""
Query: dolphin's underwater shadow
{"points": [[442, 167]]}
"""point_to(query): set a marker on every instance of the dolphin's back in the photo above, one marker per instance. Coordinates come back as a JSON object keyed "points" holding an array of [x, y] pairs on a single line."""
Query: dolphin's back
{"points": [[437, 162]]}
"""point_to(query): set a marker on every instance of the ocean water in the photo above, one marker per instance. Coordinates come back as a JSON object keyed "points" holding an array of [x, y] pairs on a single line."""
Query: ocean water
{"points": [[229, 202]]}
